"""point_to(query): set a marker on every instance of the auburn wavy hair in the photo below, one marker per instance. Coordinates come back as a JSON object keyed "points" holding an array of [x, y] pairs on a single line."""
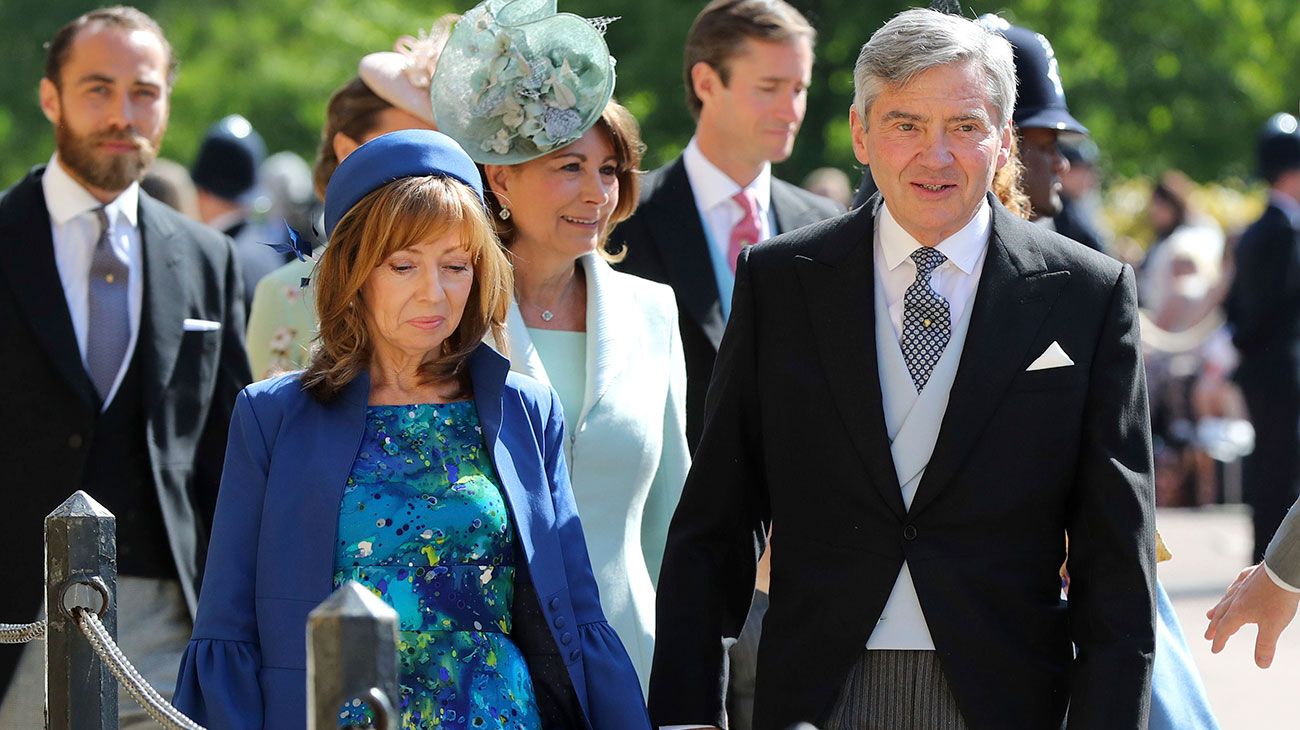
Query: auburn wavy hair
{"points": [[397, 216]]}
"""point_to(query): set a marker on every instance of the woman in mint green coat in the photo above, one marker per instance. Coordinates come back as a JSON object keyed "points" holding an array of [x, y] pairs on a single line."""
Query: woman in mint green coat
{"points": [[560, 160]]}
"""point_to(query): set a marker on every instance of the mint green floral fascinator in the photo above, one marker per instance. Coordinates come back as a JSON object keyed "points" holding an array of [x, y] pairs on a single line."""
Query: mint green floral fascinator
{"points": [[518, 80]]}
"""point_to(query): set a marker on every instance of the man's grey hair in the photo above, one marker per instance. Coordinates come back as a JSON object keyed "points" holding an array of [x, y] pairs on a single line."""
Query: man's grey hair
{"points": [[918, 40]]}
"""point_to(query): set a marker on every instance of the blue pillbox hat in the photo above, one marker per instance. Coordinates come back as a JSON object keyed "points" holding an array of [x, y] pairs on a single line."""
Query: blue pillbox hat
{"points": [[393, 156]]}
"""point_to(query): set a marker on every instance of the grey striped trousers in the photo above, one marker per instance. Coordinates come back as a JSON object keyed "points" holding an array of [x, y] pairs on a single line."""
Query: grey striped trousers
{"points": [[896, 690]]}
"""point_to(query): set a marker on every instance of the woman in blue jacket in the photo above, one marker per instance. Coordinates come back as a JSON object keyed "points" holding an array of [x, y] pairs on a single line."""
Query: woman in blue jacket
{"points": [[409, 458]]}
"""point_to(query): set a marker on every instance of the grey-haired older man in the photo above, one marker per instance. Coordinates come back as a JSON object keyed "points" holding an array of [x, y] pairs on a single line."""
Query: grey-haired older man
{"points": [[925, 395]]}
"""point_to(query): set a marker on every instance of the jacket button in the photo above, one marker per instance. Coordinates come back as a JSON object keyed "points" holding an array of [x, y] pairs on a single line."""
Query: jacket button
{"points": [[909, 532], [573, 655], [555, 604], [566, 639], [74, 441], [559, 622]]}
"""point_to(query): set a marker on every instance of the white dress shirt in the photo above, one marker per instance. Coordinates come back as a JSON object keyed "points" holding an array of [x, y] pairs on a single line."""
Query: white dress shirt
{"points": [[713, 190], [1277, 580], [75, 229], [955, 279]]}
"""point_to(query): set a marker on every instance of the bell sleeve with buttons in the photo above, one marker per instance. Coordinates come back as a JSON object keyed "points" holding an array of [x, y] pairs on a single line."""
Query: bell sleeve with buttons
{"points": [[218, 685]]}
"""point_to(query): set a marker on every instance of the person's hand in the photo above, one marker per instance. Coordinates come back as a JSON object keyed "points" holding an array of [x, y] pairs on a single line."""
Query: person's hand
{"points": [[1253, 598]]}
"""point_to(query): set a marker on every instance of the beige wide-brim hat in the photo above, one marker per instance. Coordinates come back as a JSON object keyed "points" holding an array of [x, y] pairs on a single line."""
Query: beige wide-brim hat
{"points": [[401, 76]]}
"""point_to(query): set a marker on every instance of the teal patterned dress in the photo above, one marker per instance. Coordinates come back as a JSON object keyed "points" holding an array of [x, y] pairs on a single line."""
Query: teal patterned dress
{"points": [[423, 524]]}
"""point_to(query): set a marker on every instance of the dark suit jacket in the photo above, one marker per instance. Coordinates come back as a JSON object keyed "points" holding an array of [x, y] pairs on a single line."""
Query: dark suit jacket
{"points": [[665, 242], [795, 433], [1264, 304], [1264, 311], [190, 380]]}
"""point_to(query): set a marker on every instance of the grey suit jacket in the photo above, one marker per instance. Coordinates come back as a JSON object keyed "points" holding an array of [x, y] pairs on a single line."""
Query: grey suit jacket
{"points": [[1283, 556], [190, 380]]}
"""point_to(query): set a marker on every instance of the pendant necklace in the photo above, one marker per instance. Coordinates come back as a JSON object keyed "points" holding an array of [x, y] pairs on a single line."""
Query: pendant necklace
{"points": [[546, 313]]}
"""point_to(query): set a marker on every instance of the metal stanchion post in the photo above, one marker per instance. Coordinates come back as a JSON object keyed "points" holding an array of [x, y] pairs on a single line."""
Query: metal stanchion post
{"points": [[351, 653], [80, 570]]}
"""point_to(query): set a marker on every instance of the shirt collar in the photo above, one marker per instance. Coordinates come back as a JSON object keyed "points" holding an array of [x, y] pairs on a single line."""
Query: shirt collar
{"points": [[66, 199], [1287, 204], [712, 186], [962, 248]]}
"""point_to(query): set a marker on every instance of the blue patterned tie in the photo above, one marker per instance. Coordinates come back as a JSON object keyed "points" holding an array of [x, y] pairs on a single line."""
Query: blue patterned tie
{"points": [[927, 320], [108, 330]]}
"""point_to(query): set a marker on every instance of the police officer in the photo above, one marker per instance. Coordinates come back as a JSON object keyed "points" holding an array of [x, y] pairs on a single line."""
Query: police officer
{"points": [[1041, 120], [1264, 312]]}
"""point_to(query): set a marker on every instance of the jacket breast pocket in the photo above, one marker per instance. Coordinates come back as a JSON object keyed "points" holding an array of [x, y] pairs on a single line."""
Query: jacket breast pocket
{"points": [[1061, 378], [204, 339]]}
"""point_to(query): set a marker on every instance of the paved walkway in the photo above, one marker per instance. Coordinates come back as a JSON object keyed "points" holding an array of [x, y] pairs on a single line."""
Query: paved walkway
{"points": [[1210, 546]]}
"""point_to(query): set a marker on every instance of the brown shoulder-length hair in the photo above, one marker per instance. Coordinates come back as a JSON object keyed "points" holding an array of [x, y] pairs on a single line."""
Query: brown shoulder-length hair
{"points": [[625, 136], [353, 110], [399, 215]]}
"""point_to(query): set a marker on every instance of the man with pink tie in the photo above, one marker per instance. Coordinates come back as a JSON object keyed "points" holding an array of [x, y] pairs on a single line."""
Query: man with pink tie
{"points": [[747, 68]]}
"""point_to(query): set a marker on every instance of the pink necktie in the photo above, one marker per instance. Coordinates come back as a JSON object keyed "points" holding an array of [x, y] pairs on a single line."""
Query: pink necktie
{"points": [[746, 231]]}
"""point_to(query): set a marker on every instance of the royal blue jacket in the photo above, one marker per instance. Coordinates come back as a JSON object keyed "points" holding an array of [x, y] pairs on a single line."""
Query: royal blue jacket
{"points": [[271, 559]]}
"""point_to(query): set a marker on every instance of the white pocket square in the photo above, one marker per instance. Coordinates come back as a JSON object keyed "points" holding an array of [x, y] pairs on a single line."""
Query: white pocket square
{"points": [[1052, 357], [201, 325]]}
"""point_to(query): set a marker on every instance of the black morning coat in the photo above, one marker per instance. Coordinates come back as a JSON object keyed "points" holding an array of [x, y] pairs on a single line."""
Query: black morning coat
{"points": [[794, 436]]}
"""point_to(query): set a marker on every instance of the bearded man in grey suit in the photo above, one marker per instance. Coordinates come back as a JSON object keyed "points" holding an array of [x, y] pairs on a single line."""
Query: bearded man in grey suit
{"points": [[123, 326]]}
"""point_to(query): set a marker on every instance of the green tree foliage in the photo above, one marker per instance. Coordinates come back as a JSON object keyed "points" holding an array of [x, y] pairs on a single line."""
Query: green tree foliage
{"points": [[1160, 84]]}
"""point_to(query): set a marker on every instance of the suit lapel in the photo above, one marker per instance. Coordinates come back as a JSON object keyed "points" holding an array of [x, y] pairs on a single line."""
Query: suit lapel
{"points": [[839, 291], [331, 447], [674, 222], [488, 372], [1015, 294], [164, 310], [607, 342], [523, 354], [791, 212], [27, 260]]}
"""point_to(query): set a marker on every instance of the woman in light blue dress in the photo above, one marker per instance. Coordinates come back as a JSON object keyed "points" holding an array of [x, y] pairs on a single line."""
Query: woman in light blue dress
{"points": [[608, 342]]}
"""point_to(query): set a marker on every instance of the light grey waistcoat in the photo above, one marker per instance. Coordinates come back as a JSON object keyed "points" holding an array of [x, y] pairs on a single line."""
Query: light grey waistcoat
{"points": [[912, 422]]}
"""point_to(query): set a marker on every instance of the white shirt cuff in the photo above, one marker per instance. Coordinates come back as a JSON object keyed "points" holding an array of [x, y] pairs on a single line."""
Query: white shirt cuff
{"points": [[1280, 583]]}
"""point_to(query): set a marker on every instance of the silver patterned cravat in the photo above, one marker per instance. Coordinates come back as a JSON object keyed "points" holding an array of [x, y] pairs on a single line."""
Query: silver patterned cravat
{"points": [[109, 322], [927, 319]]}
